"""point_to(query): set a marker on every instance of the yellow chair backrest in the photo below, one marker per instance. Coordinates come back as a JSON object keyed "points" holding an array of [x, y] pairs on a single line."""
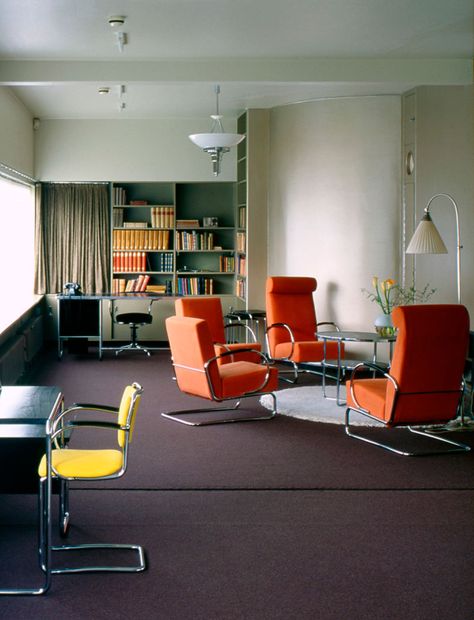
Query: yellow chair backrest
{"points": [[127, 411]]}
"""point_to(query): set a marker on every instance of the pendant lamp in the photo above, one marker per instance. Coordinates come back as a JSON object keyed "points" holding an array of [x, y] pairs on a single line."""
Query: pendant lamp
{"points": [[217, 142]]}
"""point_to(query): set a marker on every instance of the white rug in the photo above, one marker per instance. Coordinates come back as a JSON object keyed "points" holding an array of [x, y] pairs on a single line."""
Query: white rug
{"points": [[308, 403]]}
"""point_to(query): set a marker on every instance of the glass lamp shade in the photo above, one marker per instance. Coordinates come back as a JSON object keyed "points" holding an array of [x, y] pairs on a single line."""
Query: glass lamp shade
{"points": [[216, 140], [426, 239]]}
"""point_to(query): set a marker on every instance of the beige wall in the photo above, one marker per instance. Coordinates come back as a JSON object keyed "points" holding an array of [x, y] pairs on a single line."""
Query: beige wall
{"points": [[16, 133], [126, 150], [444, 138], [335, 207]]}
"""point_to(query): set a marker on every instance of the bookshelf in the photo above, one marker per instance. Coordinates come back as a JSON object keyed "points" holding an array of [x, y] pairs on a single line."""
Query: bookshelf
{"points": [[251, 209], [177, 238]]}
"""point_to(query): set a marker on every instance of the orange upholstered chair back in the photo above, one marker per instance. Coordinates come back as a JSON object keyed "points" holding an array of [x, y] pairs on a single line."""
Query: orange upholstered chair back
{"points": [[191, 347], [207, 308], [290, 300], [428, 362]]}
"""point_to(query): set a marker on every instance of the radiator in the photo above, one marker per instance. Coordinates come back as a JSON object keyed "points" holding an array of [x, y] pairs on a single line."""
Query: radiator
{"points": [[12, 361], [33, 338]]}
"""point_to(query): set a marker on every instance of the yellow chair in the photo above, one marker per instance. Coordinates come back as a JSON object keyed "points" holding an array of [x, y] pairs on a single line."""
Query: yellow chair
{"points": [[67, 464]]}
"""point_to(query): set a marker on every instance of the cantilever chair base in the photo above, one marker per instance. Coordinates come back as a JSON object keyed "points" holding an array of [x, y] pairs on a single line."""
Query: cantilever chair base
{"points": [[137, 568], [174, 415], [456, 446]]}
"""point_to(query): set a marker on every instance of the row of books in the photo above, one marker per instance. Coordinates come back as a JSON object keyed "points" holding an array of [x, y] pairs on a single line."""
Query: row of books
{"points": [[165, 262], [242, 217], [192, 223], [135, 239], [240, 288], [119, 196], [162, 216], [197, 285], [226, 264], [129, 261], [134, 285], [117, 217], [241, 265], [194, 240], [240, 241]]}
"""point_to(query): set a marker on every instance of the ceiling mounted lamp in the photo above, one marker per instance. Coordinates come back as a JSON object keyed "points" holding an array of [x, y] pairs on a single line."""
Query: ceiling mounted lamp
{"points": [[217, 142], [116, 22]]}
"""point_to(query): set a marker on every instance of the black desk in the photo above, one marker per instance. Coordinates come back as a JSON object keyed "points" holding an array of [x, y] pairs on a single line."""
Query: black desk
{"points": [[80, 316], [24, 414]]}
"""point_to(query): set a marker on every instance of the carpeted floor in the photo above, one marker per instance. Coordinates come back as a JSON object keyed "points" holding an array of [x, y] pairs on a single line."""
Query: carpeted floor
{"points": [[285, 519]]}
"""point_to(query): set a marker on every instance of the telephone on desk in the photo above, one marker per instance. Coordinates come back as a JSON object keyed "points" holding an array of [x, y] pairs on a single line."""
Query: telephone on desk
{"points": [[72, 289]]}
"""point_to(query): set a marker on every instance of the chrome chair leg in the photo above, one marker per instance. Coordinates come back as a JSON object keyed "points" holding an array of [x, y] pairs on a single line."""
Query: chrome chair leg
{"points": [[46, 549], [64, 515], [457, 446], [173, 415]]}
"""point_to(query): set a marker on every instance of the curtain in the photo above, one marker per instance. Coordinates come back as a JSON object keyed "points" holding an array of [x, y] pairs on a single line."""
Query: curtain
{"points": [[72, 237]]}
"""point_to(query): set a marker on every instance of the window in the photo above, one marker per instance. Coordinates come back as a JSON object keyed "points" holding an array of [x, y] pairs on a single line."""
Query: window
{"points": [[17, 230]]}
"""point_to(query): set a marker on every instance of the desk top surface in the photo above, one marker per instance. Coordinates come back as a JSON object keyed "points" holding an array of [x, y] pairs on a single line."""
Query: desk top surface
{"points": [[27, 405], [131, 295]]}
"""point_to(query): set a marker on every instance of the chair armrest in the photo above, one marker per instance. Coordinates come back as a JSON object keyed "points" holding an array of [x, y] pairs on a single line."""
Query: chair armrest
{"points": [[87, 424], [292, 338], [245, 326], [373, 367], [59, 419], [226, 354]]}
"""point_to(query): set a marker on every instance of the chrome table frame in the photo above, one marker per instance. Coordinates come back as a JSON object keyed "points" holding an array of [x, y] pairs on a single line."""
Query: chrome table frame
{"points": [[340, 363]]}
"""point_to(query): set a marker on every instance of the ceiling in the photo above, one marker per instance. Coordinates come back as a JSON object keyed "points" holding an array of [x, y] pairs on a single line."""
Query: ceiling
{"points": [[56, 54]]}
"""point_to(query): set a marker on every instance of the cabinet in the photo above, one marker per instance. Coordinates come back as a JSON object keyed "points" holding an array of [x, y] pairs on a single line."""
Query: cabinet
{"points": [[177, 238]]}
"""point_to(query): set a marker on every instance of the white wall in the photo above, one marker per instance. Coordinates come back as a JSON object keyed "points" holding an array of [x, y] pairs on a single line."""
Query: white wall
{"points": [[16, 133], [334, 207], [126, 150]]}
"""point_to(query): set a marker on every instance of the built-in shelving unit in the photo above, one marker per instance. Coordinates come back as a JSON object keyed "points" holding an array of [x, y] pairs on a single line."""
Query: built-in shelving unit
{"points": [[174, 237]]}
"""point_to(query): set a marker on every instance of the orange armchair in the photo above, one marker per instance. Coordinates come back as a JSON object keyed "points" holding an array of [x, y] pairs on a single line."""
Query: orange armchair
{"points": [[210, 310], [424, 384], [199, 374], [291, 324]]}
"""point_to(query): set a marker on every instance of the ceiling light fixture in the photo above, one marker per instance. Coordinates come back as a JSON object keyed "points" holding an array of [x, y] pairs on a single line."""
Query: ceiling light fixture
{"points": [[116, 22], [103, 90], [217, 142]]}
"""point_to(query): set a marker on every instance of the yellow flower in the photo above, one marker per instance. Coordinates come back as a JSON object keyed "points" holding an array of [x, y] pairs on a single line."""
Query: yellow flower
{"points": [[375, 281], [389, 282]]}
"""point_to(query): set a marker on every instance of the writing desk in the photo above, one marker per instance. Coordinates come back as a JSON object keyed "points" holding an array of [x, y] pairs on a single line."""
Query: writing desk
{"points": [[24, 413], [80, 316]]}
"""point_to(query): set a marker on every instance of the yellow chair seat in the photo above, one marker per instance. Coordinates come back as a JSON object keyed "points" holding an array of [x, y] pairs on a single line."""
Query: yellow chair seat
{"points": [[83, 463]]}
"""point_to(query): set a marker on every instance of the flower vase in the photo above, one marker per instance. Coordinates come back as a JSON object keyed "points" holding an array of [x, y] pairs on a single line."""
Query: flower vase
{"points": [[384, 326]]}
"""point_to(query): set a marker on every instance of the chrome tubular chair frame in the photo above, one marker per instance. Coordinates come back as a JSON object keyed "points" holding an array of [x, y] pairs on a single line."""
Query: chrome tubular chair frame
{"points": [[457, 447], [296, 368], [57, 431], [173, 415]]}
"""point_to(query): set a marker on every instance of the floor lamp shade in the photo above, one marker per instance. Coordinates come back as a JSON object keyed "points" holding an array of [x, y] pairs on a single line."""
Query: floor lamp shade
{"points": [[426, 239]]}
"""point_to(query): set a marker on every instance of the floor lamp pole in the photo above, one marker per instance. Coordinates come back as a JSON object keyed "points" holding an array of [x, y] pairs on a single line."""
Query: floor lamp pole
{"points": [[458, 237]]}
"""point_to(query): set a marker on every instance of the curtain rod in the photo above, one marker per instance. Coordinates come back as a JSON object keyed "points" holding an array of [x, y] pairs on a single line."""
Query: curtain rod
{"points": [[73, 182], [16, 176]]}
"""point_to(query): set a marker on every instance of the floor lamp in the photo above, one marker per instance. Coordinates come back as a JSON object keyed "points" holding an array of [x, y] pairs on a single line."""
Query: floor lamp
{"points": [[427, 240]]}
